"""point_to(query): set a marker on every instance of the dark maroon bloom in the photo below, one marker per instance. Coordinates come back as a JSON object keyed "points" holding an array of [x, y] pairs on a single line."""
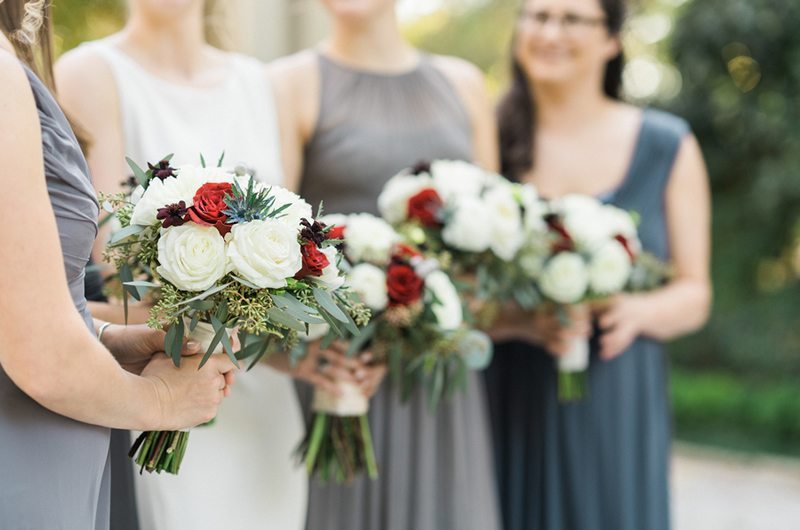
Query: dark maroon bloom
{"points": [[564, 242], [161, 170], [425, 207], [172, 214], [421, 167], [313, 231], [403, 284], [626, 245], [314, 261]]}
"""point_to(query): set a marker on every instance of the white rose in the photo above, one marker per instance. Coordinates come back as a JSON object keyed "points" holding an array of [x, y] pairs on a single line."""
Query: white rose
{"points": [[369, 283], [455, 178], [369, 238], [191, 257], [574, 202], [298, 209], [330, 275], [265, 252], [609, 269], [506, 220], [447, 308], [621, 223], [393, 200], [172, 190], [468, 229], [565, 278], [532, 257]]}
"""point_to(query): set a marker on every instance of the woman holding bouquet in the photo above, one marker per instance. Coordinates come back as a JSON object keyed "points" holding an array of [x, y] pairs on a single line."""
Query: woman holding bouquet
{"points": [[357, 110], [160, 87], [601, 462], [61, 389]]}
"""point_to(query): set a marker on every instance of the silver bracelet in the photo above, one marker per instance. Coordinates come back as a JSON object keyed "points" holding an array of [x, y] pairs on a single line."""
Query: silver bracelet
{"points": [[102, 330]]}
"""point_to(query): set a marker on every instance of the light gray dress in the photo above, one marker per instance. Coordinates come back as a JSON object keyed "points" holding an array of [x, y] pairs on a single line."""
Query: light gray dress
{"points": [[435, 469], [54, 472]]}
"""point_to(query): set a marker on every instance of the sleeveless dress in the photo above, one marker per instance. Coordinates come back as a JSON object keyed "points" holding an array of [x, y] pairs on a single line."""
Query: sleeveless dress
{"points": [[435, 469], [55, 471], [601, 463], [238, 473]]}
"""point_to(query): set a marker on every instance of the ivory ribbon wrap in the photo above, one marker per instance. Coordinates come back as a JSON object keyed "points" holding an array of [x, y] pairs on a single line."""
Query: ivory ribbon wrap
{"points": [[203, 334], [352, 402], [577, 358]]}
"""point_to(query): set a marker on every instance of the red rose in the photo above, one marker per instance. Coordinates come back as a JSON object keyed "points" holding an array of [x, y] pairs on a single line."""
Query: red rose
{"points": [[336, 232], [425, 206], [403, 284], [209, 203], [314, 261]]}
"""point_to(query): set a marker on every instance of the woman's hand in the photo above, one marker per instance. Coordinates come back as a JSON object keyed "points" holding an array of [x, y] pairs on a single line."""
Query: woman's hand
{"points": [[189, 395], [325, 368], [620, 320], [134, 346], [549, 330]]}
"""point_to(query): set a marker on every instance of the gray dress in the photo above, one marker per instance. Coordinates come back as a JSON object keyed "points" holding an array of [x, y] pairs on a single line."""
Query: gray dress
{"points": [[435, 469], [54, 472], [601, 463]]}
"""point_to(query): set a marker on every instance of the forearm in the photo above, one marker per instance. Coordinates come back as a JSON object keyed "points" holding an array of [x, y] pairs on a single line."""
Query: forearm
{"points": [[114, 312], [680, 308], [84, 382]]}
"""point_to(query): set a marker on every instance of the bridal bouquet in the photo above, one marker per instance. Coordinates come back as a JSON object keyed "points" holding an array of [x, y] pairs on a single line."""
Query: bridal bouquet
{"points": [[228, 256], [469, 219], [578, 249]]}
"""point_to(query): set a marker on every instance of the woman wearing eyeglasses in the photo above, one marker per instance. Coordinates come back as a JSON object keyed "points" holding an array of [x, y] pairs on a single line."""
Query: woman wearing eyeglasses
{"points": [[601, 463]]}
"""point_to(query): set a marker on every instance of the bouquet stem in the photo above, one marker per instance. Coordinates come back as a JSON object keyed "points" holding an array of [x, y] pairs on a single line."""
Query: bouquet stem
{"points": [[338, 443], [572, 381], [160, 451]]}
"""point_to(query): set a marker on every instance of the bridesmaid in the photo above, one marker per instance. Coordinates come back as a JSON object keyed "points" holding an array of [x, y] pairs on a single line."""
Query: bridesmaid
{"points": [[61, 390], [356, 110], [156, 87], [603, 462]]}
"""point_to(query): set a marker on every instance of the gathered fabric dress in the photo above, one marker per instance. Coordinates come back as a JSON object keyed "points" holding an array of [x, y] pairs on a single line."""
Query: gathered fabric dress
{"points": [[601, 463], [238, 473], [435, 468], [54, 471]]}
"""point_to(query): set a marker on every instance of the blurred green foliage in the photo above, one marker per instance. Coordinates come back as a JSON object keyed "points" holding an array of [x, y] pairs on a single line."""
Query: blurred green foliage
{"points": [[740, 65], [77, 21]]}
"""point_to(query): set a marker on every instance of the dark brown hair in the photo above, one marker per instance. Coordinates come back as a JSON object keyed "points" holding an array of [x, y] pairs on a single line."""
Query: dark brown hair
{"points": [[517, 112]]}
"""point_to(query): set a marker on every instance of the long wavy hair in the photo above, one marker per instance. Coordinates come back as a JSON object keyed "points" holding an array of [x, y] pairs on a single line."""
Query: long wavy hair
{"points": [[517, 111], [26, 23]]}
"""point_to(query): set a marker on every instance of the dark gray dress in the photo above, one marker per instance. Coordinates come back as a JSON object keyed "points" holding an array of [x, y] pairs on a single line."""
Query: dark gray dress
{"points": [[54, 472], [435, 470], [602, 463]]}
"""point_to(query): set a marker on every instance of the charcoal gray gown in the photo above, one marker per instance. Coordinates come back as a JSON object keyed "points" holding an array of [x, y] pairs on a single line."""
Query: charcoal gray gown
{"points": [[601, 463], [435, 469], [54, 471]]}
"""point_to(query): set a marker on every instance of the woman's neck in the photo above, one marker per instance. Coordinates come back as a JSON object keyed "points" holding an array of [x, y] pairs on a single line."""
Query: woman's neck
{"points": [[176, 45], [374, 45], [567, 106]]}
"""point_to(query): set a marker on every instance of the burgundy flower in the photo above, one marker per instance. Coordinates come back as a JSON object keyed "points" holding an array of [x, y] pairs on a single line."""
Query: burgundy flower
{"points": [[425, 207], [626, 245], [564, 242], [403, 284], [314, 261], [421, 167], [209, 205], [161, 170], [313, 231], [404, 253], [172, 214]]}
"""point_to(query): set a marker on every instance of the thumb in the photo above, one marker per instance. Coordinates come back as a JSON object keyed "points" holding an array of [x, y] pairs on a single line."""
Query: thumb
{"points": [[190, 347]]}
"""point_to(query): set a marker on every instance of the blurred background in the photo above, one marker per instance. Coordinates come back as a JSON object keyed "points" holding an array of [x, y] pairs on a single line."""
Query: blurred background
{"points": [[732, 69]]}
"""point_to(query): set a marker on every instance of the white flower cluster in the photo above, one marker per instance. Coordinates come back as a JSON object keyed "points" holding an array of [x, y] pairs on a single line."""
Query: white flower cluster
{"points": [[593, 243], [263, 252], [482, 210]]}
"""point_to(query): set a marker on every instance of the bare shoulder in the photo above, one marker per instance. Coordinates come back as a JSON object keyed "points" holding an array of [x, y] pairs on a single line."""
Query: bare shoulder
{"points": [[86, 85], [16, 89], [294, 68], [460, 71]]}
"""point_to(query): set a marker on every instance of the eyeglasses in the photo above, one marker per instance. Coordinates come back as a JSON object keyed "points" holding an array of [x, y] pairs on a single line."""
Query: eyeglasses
{"points": [[570, 23]]}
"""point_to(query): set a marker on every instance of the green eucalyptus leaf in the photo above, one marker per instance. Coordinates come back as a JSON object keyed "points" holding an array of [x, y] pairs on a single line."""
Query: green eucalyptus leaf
{"points": [[125, 233], [138, 173], [282, 318], [173, 342]]}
